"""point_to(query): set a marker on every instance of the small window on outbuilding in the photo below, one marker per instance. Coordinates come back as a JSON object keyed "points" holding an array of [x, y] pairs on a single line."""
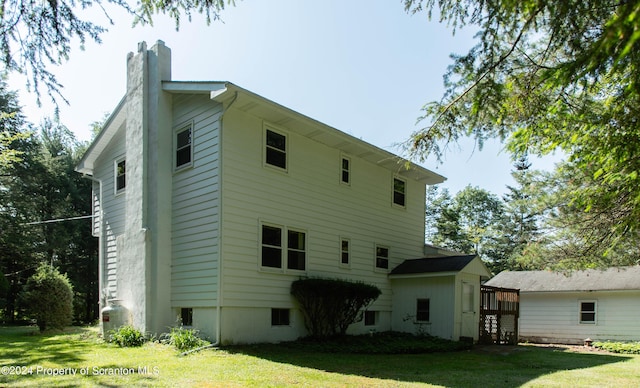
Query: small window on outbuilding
{"points": [[588, 311], [423, 310]]}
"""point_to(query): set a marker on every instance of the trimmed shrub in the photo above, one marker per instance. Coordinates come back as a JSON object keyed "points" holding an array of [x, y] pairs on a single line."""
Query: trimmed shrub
{"points": [[183, 339], [48, 297], [127, 336], [331, 305]]}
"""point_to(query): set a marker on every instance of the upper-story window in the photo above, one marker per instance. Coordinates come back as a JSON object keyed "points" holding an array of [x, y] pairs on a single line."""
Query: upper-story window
{"points": [[399, 192], [120, 174], [382, 257], [345, 171], [275, 149], [184, 149]]}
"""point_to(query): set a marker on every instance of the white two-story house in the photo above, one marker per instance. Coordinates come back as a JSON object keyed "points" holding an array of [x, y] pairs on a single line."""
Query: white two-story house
{"points": [[210, 200]]}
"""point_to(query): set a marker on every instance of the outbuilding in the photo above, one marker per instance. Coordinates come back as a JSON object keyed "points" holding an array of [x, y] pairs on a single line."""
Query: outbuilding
{"points": [[557, 307]]}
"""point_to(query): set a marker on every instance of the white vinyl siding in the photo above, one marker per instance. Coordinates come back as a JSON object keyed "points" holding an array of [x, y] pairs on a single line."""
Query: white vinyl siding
{"points": [[113, 206], [196, 204], [308, 198], [555, 317]]}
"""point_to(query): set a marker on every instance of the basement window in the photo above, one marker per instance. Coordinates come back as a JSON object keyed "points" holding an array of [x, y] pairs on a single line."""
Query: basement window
{"points": [[186, 316], [280, 317]]}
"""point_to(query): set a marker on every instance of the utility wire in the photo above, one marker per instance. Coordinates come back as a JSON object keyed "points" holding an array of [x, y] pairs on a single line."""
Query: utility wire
{"points": [[57, 220]]}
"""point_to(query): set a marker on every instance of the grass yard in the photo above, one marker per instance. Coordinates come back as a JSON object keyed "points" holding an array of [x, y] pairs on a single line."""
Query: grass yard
{"points": [[77, 357]]}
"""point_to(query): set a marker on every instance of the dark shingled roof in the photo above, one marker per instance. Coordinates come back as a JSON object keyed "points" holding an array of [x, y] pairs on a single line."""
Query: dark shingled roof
{"points": [[433, 264], [619, 278]]}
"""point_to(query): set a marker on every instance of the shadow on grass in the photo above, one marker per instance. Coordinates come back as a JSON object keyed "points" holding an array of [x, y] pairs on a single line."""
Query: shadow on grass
{"points": [[481, 366], [27, 346]]}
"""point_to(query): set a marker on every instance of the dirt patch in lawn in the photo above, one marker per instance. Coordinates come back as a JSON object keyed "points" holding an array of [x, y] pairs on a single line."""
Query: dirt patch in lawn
{"points": [[510, 349]]}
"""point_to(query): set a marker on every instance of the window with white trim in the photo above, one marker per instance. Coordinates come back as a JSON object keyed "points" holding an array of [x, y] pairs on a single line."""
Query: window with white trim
{"points": [[588, 311], [345, 248], [399, 192], [184, 147], [382, 257], [120, 174], [275, 149], [345, 171], [277, 240], [423, 310]]}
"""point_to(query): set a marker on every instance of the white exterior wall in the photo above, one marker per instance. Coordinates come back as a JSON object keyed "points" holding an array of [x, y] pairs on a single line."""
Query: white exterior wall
{"points": [[114, 213], [439, 290], [555, 317], [196, 207], [308, 197]]}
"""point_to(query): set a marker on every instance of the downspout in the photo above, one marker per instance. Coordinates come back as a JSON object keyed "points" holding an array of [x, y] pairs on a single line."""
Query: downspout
{"points": [[101, 241], [220, 231]]}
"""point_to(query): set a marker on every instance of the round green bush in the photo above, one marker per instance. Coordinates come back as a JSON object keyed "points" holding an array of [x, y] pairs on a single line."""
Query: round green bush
{"points": [[48, 297]]}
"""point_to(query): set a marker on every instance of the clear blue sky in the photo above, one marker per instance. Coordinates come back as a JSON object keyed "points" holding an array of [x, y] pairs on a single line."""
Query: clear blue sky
{"points": [[364, 67]]}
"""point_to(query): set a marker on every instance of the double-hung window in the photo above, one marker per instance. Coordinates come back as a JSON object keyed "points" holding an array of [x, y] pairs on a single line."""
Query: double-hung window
{"points": [[344, 252], [279, 243], [120, 174], [345, 171], [184, 147], [275, 149], [422, 310], [382, 257], [588, 311], [399, 192]]}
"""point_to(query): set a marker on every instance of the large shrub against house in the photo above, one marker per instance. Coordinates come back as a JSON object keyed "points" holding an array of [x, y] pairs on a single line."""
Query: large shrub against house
{"points": [[331, 305], [48, 296]]}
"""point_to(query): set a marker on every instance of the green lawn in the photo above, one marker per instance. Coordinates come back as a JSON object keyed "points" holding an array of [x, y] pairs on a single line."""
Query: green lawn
{"points": [[52, 360]]}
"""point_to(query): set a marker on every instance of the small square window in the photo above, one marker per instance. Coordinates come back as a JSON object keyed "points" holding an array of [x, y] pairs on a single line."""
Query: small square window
{"points": [[184, 147], [588, 312], [121, 175], [370, 318], [382, 257], [345, 176], [276, 149], [344, 252], [399, 192], [186, 316], [280, 317], [422, 310]]}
